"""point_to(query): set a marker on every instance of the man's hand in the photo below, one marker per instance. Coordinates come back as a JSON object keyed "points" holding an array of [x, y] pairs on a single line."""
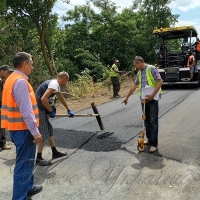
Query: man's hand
{"points": [[71, 113], [149, 97], [37, 138], [52, 114], [121, 72], [125, 101]]}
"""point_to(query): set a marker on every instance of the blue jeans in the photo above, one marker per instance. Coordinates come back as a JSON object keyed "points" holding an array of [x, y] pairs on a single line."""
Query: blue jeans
{"points": [[23, 179], [151, 122]]}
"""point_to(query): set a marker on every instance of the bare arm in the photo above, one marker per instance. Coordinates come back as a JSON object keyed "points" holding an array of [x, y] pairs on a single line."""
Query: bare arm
{"points": [[45, 98], [117, 71], [62, 100]]}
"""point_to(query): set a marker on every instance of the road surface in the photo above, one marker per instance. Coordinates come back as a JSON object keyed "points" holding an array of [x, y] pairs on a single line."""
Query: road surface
{"points": [[106, 164]]}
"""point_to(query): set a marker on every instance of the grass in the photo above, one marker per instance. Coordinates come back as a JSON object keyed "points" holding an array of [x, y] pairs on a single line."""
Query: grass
{"points": [[85, 87]]}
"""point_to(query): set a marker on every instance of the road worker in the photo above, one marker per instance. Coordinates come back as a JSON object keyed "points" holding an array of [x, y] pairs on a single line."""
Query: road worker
{"points": [[191, 64], [114, 75], [5, 71], [149, 82], [45, 95]]}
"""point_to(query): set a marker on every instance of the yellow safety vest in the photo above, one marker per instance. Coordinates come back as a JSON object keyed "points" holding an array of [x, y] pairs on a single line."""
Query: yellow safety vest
{"points": [[112, 71], [150, 79]]}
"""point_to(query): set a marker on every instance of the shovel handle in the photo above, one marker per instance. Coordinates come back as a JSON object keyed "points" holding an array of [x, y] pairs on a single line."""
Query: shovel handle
{"points": [[77, 115]]}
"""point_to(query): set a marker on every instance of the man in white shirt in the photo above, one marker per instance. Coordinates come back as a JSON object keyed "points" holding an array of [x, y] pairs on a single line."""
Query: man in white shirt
{"points": [[45, 95]]}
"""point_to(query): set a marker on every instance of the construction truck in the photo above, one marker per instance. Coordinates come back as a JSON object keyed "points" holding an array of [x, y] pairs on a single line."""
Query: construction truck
{"points": [[173, 48]]}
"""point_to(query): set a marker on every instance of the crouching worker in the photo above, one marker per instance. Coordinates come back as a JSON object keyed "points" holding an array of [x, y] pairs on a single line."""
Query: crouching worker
{"points": [[45, 95]]}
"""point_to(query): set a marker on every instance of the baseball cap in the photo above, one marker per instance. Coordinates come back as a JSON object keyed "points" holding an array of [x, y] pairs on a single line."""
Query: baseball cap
{"points": [[116, 61], [6, 67]]}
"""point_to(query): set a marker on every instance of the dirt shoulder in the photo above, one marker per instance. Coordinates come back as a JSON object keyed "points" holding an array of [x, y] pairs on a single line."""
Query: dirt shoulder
{"points": [[98, 98]]}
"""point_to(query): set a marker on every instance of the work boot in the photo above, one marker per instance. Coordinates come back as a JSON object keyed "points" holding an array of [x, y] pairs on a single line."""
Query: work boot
{"points": [[43, 162], [58, 155], [116, 95], [36, 189]]}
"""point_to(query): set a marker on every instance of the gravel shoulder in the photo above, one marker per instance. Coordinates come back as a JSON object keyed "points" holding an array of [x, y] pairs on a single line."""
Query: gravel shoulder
{"points": [[97, 97]]}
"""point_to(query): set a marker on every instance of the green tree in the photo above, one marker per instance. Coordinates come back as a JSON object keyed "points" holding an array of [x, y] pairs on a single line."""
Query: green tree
{"points": [[153, 14], [3, 25], [38, 14], [107, 35], [78, 41]]}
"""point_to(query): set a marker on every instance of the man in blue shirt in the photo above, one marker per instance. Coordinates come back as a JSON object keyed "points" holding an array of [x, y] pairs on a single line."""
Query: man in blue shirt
{"points": [[19, 114]]}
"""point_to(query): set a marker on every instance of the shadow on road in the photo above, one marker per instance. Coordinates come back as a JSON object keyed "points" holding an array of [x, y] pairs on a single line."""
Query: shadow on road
{"points": [[149, 160]]}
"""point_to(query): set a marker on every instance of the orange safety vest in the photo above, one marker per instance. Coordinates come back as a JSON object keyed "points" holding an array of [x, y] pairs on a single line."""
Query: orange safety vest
{"points": [[191, 60], [11, 117], [198, 46]]}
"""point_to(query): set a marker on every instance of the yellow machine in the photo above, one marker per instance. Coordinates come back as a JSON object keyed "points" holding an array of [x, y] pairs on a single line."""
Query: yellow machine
{"points": [[172, 60]]}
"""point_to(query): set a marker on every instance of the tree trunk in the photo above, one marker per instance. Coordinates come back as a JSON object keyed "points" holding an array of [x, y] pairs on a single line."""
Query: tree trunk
{"points": [[51, 67]]}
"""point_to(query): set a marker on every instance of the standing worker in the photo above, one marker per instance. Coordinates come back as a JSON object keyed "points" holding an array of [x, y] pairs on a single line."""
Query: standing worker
{"points": [[191, 64], [19, 114], [5, 71], [45, 95], [114, 74], [148, 77], [197, 45]]}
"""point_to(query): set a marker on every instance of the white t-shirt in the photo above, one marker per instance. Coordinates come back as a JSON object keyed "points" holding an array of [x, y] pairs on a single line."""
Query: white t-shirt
{"points": [[53, 84]]}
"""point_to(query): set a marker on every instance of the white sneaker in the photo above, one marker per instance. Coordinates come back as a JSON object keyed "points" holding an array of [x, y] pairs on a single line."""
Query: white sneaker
{"points": [[153, 149], [147, 142]]}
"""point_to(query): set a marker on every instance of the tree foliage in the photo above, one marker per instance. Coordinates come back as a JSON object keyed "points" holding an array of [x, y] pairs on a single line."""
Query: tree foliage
{"points": [[95, 34], [37, 14]]}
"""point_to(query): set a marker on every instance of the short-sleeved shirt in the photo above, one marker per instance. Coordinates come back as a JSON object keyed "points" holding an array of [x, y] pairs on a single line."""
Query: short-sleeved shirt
{"points": [[52, 84], [154, 73]]}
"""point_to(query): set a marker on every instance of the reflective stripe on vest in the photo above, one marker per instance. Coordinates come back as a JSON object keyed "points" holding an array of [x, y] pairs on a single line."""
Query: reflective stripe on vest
{"points": [[112, 71], [11, 118], [150, 79]]}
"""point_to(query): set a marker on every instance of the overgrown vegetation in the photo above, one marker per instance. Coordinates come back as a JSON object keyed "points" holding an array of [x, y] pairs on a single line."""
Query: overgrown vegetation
{"points": [[94, 35], [85, 87]]}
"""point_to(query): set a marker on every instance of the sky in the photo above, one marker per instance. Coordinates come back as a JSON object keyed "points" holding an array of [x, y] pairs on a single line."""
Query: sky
{"points": [[189, 10]]}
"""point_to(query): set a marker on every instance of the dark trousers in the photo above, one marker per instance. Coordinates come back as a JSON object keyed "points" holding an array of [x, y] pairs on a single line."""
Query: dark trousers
{"points": [[2, 137], [116, 84], [23, 179], [151, 122]]}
